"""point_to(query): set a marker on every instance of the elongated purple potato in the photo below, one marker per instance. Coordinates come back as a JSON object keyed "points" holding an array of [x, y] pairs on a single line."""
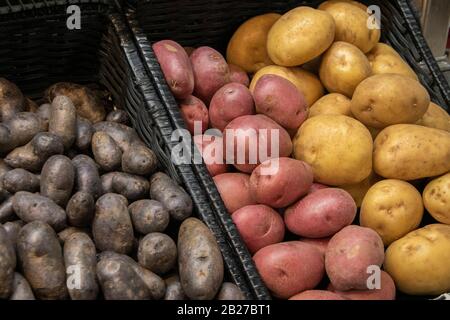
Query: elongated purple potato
{"points": [[57, 179], [7, 264]]}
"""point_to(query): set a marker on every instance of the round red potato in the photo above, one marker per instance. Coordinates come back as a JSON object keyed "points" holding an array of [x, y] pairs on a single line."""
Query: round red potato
{"points": [[281, 181], [349, 255], [321, 213], [321, 244], [194, 110], [248, 141], [316, 295], [280, 100], [211, 149], [230, 102], [259, 226], [317, 186], [237, 74], [176, 67], [234, 190], [288, 268], [211, 72]]}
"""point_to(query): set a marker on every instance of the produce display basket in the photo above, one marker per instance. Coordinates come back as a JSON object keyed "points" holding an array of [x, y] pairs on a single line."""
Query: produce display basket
{"points": [[37, 49]]}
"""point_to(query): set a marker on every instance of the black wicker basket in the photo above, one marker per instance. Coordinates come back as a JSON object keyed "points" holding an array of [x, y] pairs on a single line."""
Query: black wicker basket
{"points": [[37, 50]]}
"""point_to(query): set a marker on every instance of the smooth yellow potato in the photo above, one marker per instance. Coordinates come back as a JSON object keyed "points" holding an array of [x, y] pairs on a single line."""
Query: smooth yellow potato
{"points": [[351, 24], [325, 4], [247, 47], [409, 152], [359, 190], [337, 147], [385, 99], [436, 198], [299, 36], [306, 82], [343, 67], [384, 59], [419, 262], [392, 208], [435, 117], [332, 103]]}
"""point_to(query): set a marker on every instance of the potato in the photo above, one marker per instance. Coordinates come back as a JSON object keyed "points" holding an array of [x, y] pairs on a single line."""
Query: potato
{"points": [[392, 208], [69, 231], [171, 195], [119, 116], [280, 182], [157, 252], [352, 24], [195, 115], [211, 72], [6, 209], [317, 295], [248, 141], [386, 99], [340, 154], [435, 117], [44, 112], [149, 216], [57, 179], [87, 178], [228, 103], [42, 261], [63, 120], [7, 264], [12, 100], [359, 190], [139, 159], [106, 151], [19, 130], [409, 152], [80, 209], [80, 255], [112, 228], [200, 263], [31, 207], [21, 288], [247, 47], [12, 229], [174, 290], [436, 197], [83, 134], [211, 149], [349, 254], [20, 180], [320, 244], [106, 182], [321, 214], [87, 103], [306, 82], [131, 186], [30, 105], [289, 42], [279, 99], [418, 262], [238, 75], [124, 136], [176, 67], [343, 67], [384, 59], [289, 267], [230, 291], [259, 226], [234, 189]]}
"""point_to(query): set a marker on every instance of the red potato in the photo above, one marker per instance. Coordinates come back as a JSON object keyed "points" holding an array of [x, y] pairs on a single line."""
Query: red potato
{"points": [[280, 100], [211, 149], [321, 213], [248, 141], [316, 186], [288, 268], [385, 292], [317, 295], [234, 190], [321, 244], [281, 181], [230, 102], [176, 67], [237, 74], [194, 110], [350, 253], [211, 72], [259, 226]]}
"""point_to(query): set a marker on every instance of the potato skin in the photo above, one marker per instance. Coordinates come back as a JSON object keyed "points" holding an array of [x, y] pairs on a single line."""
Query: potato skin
{"points": [[234, 189], [131, 186], [20, 180], [63, 120], [106, 182], [238, 75], [123, 135], [193, 110], [106, 152], [434, 198], [19, 130], [316, 295], [211, 149], [119, 116], [12, 100], [320, 244], [80, 209], [332, 103], [12, 229], [57, 179], [87, 178], [44, 112], [200, 262], [409, 152], [139, 159], [230, 291], [157, 252], [69, 231], [176, 67], [7, 264], [359, 190], [149, 216], [112, 228], [174, 290], [42, 261], [435, 117], [84, 133], [21, 289]]}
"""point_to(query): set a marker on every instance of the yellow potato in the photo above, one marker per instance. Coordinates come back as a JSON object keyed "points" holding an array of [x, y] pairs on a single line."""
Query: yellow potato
{"points": [[392, 208], [338, 148], [436, 198], [359, 190], [332, 103], [409, 152], [326, 4], [247, 46], [419, 262], [299, 36], [305, 81], [343, 67], [384, 59], [435, 117], [351, 25], [385, 99]]}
